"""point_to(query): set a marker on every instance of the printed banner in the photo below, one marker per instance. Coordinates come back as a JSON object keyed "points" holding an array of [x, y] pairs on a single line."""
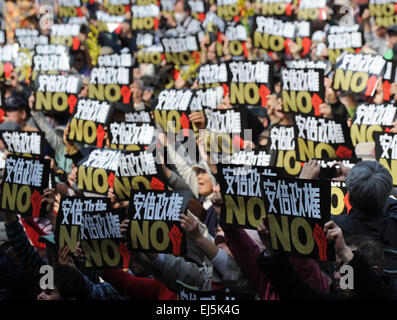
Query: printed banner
{"points": [[250, 82], [297, 210], [130, 136], [111, 78], [50, 58], [312, 10], [152, 54], [101, 239], [69, 8], [29, 38], [117, 7], [383, 12], [137, 170], [155, 225], [96, 172], [213, 74], [171, 113], [23, 143], [340, 204], [282, 149], [182, 50], [318, 137], [277, 8], [272, 34], [89, 121], [240, 186], [340, 39], [70, 217], [370, 118], [358, 73], [66, 35], [386, 152], [227, 10], [144, 15], [302, 90], [57, 93], [237, 36], [23, 184]]}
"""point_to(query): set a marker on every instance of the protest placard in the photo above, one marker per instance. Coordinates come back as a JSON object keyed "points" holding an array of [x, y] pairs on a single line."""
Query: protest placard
{"points": [[386, 152], [370, 118], [155, 225], [89, 120], [57, 93], [241, 189], [358, 73], [23, 184], [297, 210]]}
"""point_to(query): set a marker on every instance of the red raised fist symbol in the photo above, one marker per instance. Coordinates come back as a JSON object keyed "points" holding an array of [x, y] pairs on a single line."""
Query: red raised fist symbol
{"points": [[176, 240], [321, 239], [125, 254], [35, 199]]}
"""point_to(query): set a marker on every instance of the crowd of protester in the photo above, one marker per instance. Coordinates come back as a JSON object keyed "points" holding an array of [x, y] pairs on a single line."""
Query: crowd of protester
{"points": [[219, 257]]}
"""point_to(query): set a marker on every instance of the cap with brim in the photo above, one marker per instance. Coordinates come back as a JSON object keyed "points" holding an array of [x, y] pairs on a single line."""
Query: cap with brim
{"points": [[365, 151], [47, 239], [59, 130], [198, 167], [124, 107], [392, 29], [10, 126], [15, 103]]}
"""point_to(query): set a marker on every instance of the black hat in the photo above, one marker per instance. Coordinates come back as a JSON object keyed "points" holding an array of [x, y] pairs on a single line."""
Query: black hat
{"points": [[392, 29], [16, 103], [10, 126], [124, 107]]}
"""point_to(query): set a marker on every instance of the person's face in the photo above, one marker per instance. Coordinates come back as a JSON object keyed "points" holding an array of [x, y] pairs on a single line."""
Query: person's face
{"points": [[137, 269], [49, 294], [16, 116], [78, 62], [136, 91], [14, 79], [279, 112], [84, 91], [205, 187], [2, 145], [125, 28], [381, 32], [211, 54], [392, 40], [178, 7]]}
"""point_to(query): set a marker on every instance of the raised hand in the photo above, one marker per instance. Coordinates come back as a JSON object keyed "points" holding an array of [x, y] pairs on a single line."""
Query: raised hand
{"points": [[335, 236], [190, 225], [310, 170]]}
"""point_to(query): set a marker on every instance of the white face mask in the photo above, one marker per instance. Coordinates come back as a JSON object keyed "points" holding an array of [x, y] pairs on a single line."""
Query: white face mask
{"points": [[179, 17]]}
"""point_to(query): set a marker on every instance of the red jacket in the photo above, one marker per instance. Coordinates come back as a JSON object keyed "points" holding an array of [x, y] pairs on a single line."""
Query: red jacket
{"points": [[137, 287]]}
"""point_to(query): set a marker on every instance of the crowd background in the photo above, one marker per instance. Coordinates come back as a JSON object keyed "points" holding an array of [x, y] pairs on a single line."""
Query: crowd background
{"points": [[220, 256]]}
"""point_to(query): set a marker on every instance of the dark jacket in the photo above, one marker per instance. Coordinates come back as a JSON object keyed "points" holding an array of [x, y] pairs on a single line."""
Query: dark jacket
{"points": [[381, 226], [290, 286]]}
